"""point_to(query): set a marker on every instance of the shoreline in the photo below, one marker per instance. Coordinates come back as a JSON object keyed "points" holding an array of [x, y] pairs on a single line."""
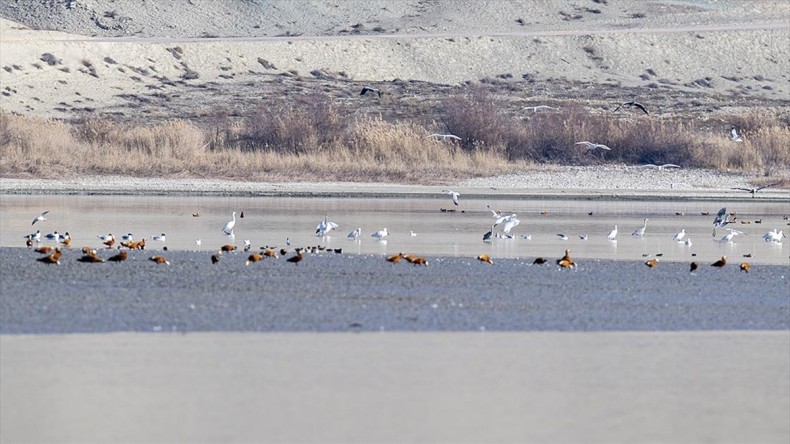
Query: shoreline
{"points": [[543, 183]]}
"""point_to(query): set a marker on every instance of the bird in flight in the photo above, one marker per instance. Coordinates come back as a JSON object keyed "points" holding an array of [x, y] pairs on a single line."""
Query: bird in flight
{"points": [[438, 136], [537, 107], [368, 89], [660, 167], [589, 146], [40, 218], [454, 195], [632, 104], [756, 189]]}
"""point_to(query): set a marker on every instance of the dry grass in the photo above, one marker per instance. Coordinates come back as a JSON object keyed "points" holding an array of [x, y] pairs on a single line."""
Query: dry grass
{"points": [[315, 141], [371, 151]]}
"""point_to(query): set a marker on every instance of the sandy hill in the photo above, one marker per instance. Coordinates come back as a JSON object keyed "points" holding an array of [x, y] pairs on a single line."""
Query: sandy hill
{"points": [[162, 58]]}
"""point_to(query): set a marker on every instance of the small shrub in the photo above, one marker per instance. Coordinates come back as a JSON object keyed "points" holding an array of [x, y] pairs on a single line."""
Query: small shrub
{"points": [[50, 59]]}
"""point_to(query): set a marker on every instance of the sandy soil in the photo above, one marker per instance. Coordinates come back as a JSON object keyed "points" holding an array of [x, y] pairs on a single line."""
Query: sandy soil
{"points": [[545, 181], [700, 56]]}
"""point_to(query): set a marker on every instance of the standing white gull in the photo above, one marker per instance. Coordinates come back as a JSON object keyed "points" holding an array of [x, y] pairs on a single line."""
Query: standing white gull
{"points": [[679, 237], [612, 234]]}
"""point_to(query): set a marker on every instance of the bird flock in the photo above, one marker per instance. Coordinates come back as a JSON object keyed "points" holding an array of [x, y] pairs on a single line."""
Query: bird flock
{"points": [[502, 226]]}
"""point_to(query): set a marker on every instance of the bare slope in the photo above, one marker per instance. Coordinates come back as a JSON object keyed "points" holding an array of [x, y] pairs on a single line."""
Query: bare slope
{"points": [[721, 55]]}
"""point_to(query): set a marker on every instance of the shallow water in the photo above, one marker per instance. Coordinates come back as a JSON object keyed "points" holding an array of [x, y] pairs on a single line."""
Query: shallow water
{"points": [[270, 220]]}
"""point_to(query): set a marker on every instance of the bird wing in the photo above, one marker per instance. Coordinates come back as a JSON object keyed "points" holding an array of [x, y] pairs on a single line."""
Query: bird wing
{"points": [[649, 165], [720, 216], [640, 106], [364, 90], [603, 147], [769, 185], [455, 198], [618, 107], [742, 189], [670, 165]]}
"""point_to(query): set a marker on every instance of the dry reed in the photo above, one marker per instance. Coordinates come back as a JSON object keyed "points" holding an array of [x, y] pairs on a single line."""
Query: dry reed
{"points": [[314, 140]]}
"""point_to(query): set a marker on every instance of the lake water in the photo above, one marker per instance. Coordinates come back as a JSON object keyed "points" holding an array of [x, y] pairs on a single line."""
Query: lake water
{"points": [[270, 220]]}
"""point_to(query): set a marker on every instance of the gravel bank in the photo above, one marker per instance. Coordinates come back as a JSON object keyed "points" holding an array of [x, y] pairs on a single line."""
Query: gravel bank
{"points": [[366, 293], [552, 181]]}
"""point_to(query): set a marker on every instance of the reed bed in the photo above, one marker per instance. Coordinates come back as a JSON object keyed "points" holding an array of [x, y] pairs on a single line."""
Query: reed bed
{"points": [[315, 141]]}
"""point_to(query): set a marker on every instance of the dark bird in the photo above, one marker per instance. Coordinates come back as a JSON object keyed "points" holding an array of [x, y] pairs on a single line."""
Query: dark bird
{"points": [[367, 89], [693, 267], [630, 104], [214, 258], [720, 263], [539, 261], [754, 191], [296, 259]]}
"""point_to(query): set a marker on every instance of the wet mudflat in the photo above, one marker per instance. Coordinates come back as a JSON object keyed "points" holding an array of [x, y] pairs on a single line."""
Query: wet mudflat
{"points": [[339, 292]]}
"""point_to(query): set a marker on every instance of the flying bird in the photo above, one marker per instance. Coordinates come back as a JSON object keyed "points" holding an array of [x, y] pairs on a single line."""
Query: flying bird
{"points": [[733, 233], [443, 136], [660, 167], [589, 146], [40, 218], [368, 89], [754, 191], [453, 195], [537, 107], [632, 104]]}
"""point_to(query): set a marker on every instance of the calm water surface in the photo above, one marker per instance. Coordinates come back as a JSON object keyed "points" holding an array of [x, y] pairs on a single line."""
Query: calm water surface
{"points": [[269, 221]]}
